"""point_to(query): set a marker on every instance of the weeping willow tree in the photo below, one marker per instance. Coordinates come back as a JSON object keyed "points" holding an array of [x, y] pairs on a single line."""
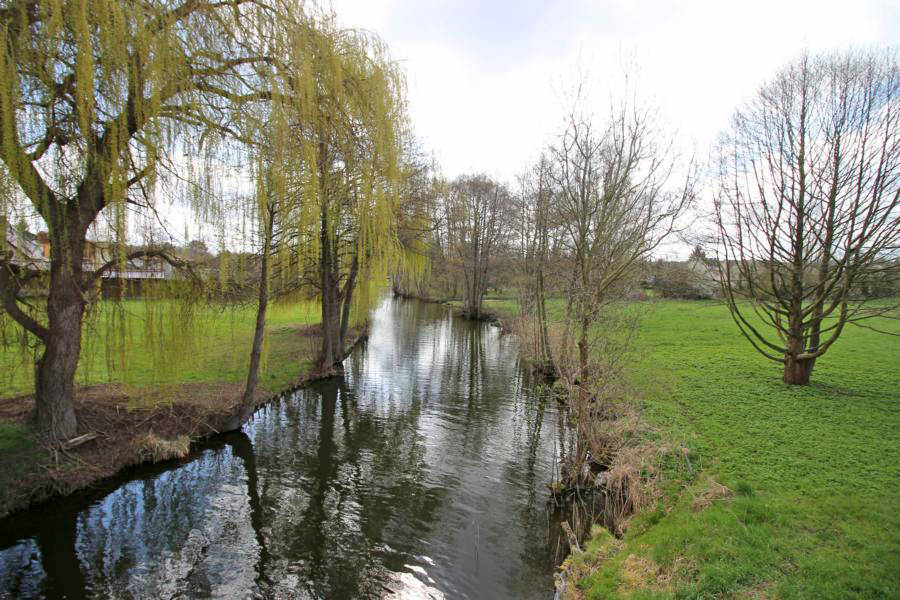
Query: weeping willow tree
{"points": [[95, 96], [343, 174], [268, 205]]}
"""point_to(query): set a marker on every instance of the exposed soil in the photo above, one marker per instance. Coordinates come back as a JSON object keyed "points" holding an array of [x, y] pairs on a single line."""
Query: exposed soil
{"points": [[116, 417]]}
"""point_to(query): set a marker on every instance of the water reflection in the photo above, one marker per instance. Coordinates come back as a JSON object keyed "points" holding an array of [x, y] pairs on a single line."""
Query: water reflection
{"points": [[419, 474]]}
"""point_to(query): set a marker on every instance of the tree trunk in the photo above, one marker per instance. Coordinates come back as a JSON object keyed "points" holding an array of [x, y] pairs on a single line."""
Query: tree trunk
{"points": [[395, 285], [583, 351], [330, 354], [347, 300], [545, 354], [249, 401], [797, 372], [55, 371]]}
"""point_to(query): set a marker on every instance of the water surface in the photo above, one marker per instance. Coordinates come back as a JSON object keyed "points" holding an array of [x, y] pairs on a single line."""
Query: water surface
{"points": [[419, 474]]}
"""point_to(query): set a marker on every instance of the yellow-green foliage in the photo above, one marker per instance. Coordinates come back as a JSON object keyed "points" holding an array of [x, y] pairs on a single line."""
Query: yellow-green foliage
{"points": [[213, 347], [97, 96], [334, 155], [135, 72]]}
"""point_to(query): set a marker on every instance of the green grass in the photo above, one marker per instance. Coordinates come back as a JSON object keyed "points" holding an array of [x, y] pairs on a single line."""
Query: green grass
{"points": [[18, 454], [816, 468], [159, 345]]}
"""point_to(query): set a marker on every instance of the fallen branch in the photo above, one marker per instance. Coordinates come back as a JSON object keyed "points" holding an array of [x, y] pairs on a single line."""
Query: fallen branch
{"points": [[77, 441], [573, 539]]}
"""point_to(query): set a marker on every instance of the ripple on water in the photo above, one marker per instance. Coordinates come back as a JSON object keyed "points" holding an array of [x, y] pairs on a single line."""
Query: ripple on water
{"points": [[419, 474]]}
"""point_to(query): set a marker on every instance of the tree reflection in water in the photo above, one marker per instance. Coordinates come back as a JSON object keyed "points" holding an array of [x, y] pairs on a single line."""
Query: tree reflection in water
{"points": [[422, 470]]}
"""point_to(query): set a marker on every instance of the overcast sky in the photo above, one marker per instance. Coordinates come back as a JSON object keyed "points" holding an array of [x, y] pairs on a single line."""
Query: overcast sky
{"points": [[485, 76]]}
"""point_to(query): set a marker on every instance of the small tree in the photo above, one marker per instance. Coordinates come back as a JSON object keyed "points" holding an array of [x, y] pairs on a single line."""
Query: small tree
{"points": [[613, 207], [347, 121], [536, 232], [807, 208]]}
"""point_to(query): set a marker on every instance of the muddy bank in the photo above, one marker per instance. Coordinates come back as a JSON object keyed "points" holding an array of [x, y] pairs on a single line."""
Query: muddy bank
{"points": [[119, 427]]}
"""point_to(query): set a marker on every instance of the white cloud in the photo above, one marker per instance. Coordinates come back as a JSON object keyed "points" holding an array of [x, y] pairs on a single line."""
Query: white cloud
{"points": [[482, 73]]}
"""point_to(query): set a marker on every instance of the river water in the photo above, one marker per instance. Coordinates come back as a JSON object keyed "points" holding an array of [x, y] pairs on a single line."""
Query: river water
{"points": [[419, 474]]}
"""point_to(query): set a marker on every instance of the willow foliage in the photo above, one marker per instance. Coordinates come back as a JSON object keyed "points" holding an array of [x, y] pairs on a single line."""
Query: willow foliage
{"points": [[336, 133], [99, 101], [109, 106]]}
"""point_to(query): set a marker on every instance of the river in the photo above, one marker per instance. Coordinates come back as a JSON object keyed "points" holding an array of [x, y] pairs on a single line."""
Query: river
{"points": [[420, 474]]}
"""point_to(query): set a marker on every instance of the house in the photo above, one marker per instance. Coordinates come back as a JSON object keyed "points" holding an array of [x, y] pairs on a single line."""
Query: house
{"points": [[32, 252], [704, 275], [23, 248]]}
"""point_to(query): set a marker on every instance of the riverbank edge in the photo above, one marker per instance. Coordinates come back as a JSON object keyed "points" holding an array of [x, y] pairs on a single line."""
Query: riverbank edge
{"points": [[601, 540], [138, 437]]}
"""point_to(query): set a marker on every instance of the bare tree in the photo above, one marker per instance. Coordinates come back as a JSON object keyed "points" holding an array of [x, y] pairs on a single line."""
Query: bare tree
{"points": [[614, 208], [478, 224], [536, 235], [807, 207]]}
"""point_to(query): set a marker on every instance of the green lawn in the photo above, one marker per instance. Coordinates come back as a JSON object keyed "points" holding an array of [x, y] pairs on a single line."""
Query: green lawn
{"points": [[816, 469], [160, 345]]}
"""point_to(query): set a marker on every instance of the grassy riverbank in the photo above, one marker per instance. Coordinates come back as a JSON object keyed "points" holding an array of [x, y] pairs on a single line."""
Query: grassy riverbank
{"points": [[159, 345], [143, 405], [813, 473]]}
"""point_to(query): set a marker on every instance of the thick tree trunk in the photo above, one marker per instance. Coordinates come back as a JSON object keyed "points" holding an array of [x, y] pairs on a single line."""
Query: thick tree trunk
{"points": [[55, 370], [330, 354], [797, 372]]}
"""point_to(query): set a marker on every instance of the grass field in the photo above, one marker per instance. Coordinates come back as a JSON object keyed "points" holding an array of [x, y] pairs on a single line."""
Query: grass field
{"points": [[208, 346], [815, 470]]}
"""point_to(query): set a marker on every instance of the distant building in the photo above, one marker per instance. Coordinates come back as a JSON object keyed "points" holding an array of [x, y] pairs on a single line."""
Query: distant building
{"points": [[23, 248], [704, 275], [32, 252]]}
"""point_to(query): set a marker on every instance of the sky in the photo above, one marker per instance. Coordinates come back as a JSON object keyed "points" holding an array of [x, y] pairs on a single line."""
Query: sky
{"points": [[487, 79]]}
